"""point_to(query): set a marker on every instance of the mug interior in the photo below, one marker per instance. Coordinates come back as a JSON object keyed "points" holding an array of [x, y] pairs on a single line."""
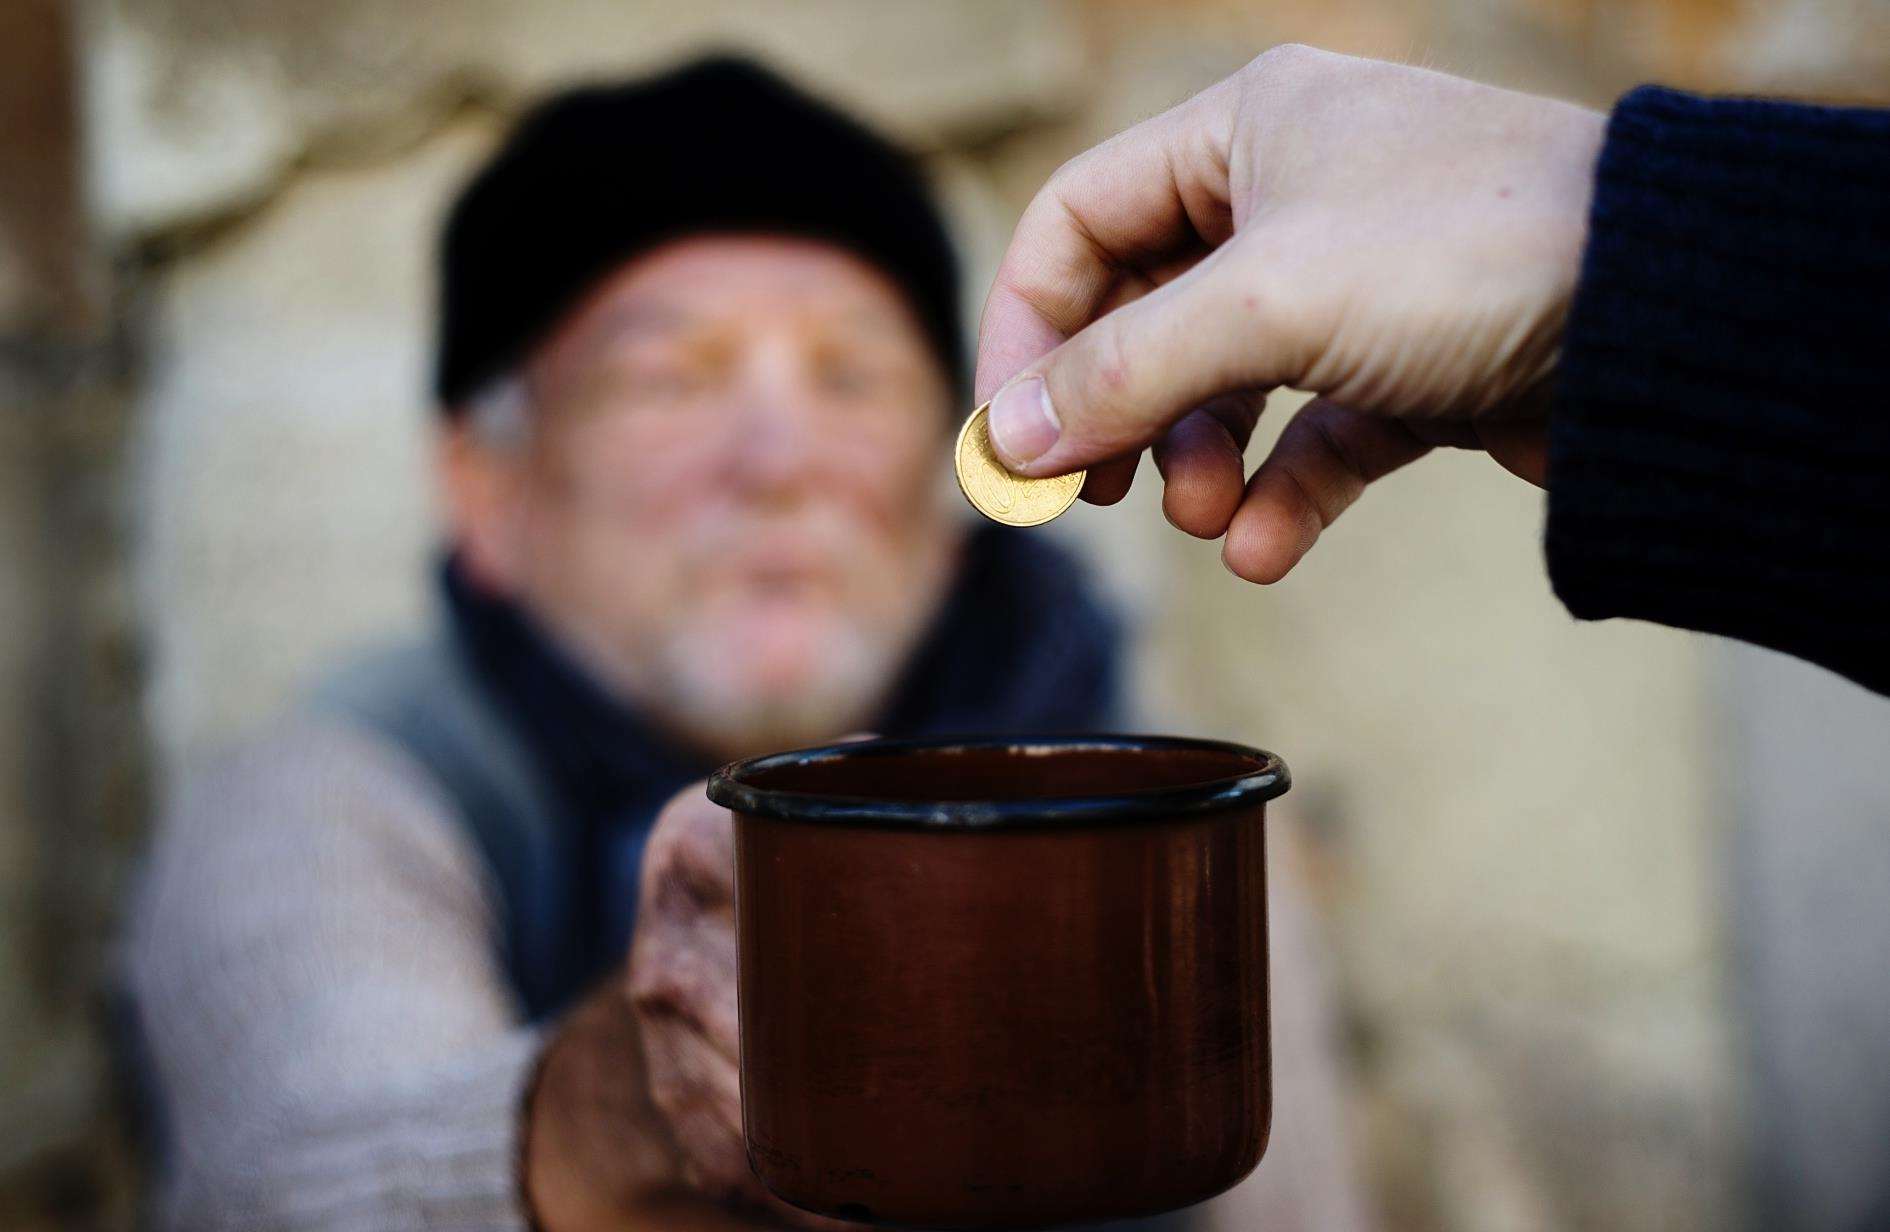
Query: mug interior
{"points": [[1015, 772], [942, 782]]}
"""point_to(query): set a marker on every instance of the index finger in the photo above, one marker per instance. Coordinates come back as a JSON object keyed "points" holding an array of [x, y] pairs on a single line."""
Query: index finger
{"points": [[1140, 198], [689, 858]]}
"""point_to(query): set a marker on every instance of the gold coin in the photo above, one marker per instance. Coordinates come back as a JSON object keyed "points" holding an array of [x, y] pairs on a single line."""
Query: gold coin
{"points": [[998, 494]]}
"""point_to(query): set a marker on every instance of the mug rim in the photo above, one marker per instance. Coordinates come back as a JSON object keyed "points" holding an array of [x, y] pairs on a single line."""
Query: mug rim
{"points": [[732, 787]]}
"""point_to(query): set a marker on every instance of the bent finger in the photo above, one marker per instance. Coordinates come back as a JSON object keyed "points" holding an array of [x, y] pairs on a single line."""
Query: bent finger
{"points": [[1201, 465], [1321, 464], [1145, 194]]}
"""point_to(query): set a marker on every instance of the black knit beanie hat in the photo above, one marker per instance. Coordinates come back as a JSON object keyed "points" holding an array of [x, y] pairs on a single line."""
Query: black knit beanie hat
{"points": [[595, 175]]}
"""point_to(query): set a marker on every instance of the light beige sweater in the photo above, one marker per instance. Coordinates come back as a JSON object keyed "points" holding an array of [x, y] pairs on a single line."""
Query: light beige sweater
{"points": [[313, 962]]}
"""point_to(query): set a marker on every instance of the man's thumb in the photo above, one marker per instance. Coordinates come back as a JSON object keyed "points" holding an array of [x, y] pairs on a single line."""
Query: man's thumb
{"points": [[1116, 385]]}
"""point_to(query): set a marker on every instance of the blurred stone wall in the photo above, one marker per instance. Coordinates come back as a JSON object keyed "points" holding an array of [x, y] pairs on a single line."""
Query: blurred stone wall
{"points": [[72, 744], [1515, 823]]}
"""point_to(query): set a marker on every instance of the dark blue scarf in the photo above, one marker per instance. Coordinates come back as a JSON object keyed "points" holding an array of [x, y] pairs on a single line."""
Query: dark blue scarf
{"points": [[1021, 645]]}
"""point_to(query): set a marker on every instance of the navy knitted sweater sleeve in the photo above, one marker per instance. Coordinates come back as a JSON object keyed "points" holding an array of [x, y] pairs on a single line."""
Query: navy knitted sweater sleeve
{"points": [[1720, 453]]}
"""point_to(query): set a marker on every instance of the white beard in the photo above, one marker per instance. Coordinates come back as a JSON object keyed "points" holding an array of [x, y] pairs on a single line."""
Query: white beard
{"points": [[705, 674], [701, 693]]}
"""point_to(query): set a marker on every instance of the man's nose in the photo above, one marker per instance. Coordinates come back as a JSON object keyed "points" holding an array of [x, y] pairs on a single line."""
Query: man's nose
{"points": [[776, 452]]}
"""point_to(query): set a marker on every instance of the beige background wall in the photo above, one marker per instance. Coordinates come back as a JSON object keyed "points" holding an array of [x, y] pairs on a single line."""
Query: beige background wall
{"points": [[1516, 832]]}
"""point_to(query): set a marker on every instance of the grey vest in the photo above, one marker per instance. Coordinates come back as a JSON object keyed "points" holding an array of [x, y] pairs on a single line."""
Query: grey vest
{"points": [[424, 698]]}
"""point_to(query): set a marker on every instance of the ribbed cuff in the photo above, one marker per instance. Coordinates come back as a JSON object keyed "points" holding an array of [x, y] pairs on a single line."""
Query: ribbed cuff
{"points": [[1720, 454]]}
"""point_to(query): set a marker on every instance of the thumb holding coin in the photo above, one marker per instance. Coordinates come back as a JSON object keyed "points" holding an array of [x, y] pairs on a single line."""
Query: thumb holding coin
{"points": [[1401, 242]]}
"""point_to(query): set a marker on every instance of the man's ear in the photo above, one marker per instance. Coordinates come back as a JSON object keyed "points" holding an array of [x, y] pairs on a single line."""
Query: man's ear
{"points": [[483, 489]]}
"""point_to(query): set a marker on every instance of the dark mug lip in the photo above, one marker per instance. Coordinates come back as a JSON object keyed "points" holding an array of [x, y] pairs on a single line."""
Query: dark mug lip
{"points": [[732, 786]]}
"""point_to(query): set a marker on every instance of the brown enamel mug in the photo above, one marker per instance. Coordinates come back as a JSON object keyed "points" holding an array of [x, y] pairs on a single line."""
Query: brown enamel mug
{"points": [[1003, 983]]}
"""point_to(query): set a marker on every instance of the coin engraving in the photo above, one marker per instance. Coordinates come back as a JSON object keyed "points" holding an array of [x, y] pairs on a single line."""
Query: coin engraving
{"points": [[1000, 495]]}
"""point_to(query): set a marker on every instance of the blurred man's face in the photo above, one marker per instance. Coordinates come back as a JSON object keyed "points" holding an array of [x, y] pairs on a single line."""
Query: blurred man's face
{"points": [[726, 499]]}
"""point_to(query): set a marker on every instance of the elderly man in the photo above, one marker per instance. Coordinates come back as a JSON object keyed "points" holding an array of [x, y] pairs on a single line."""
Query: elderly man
{"points": [[434, 953]]}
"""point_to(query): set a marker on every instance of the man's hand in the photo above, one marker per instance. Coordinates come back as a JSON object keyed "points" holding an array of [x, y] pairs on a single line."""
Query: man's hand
{"points": [[637, 1119], [1403, 243], [682, 988]]}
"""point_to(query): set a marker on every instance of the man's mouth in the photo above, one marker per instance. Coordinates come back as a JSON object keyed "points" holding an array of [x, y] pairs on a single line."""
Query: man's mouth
{"points": [[775, 584]]}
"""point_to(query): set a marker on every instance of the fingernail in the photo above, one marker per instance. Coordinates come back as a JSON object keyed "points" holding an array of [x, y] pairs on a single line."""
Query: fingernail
{"points": [[1023, 423]]}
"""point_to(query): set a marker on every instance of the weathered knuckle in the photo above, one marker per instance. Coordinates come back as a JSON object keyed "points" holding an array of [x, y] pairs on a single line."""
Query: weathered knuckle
{"points": [[694, 890], [704, 847], [657, 848], [665, 976], [659, 862], [652, 993], [1283, 58], [703, 835], [688, 986], [667, 992], [688, 869], [670, 895]]}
